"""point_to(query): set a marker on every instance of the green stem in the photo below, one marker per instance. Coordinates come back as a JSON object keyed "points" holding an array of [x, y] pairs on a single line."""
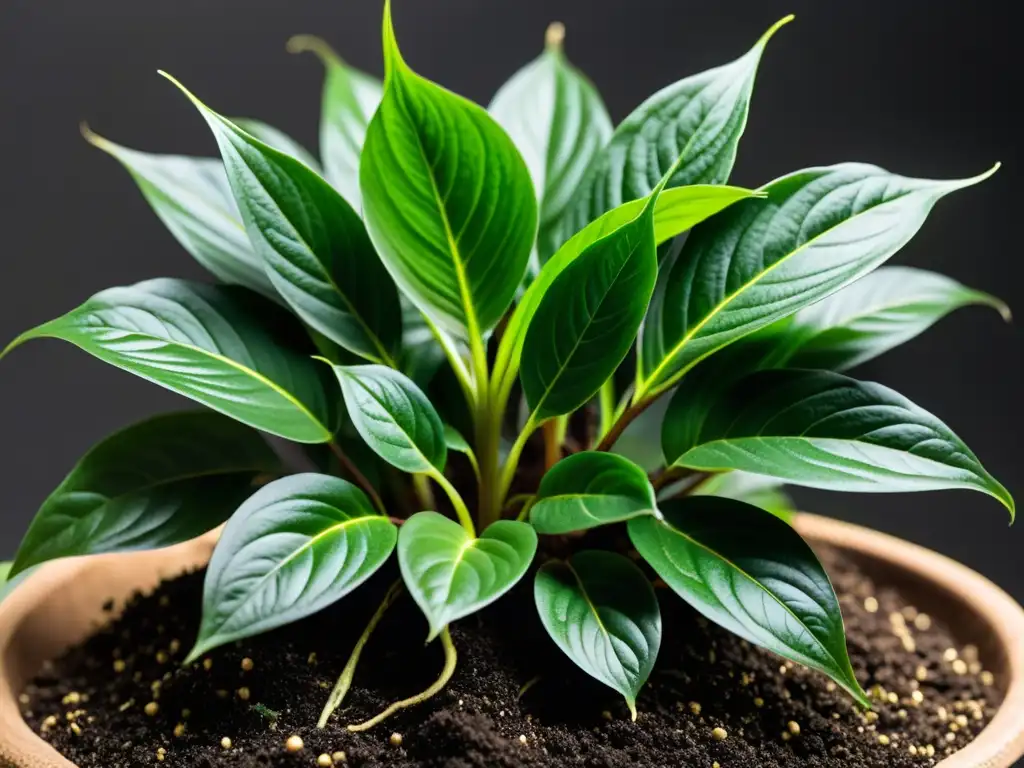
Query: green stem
{"points": [[524, 513], [460, 506], [421, 485], [627, 417], [345, 680], [358, 476], [450, 659], [488, 437], [606, 402], [512, 462]]}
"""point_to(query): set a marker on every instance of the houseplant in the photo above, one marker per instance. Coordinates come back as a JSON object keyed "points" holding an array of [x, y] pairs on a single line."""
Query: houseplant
{"points": [[514, 259]]}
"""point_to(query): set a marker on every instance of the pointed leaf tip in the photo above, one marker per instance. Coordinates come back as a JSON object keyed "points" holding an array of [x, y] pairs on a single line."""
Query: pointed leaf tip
{"points": [[554, 37], [315, 45], [776, 27]]}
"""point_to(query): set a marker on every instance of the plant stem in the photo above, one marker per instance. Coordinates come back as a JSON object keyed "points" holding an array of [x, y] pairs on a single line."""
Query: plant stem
{"points": [[698, 480], [460, 506], [421, 485], [668, 475], [606, 405], [358, 476], [450, 659], [489, 417], [627, 417], [524, 513], [553, 434], [521, 498], [345, 680], [512, 462]]}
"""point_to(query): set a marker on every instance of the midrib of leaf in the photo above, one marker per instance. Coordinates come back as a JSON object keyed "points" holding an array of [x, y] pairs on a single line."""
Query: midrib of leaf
{"points": [[760, 587], [590, 604], [468, 544], [385, 357], [199, 350]]}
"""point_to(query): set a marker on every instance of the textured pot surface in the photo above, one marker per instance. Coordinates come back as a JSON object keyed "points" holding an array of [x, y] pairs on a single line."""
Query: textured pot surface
{"points": [[61, 604]]}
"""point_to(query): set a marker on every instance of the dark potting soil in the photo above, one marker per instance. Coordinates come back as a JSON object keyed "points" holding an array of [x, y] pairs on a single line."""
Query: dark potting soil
{"points": [[122, 700]]}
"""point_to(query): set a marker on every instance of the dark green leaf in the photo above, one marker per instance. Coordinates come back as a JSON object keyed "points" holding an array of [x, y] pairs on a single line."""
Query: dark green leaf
{"points": [[447, 200], [589, 489], [823, 430], [350, 98], [297, 546], [587, 320], [278, 139], [875, 314], [154, 484], [222, 347], [749, 572], [394, 417], [759, 490], [314, 246], [819, 230], [556, 118], [192, 198], [422, 356], [694, 124], [601, 611], [451, 575]]}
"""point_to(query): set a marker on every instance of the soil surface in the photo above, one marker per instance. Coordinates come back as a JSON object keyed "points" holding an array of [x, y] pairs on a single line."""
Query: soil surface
{"points": [[122, 700]]}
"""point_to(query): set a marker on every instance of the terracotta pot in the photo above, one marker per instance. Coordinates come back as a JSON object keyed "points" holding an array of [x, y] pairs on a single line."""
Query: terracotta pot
{"points": [[62, 603]]}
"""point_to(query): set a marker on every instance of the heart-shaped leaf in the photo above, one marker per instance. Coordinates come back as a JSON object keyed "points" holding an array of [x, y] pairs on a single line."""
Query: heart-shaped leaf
{"points": [[278, 139], [823, 430], [601, 611], [394, 417], [350, 98], [587, 320], [556, 118], [819, 230], [878, 312], [154, 484], [693, 125], [192, 198], [297, 546], [589, 489], [675, 211], [752, 574], [760, 490], [223, 347], [314, 246], [447, 200], [451, 575]]}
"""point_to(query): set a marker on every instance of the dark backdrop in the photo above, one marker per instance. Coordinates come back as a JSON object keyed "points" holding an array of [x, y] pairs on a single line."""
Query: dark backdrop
{"points": [[926, 89]]}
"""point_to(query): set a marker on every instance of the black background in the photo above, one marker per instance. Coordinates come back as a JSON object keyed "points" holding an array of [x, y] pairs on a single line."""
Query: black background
{"points": [[925, 89]]}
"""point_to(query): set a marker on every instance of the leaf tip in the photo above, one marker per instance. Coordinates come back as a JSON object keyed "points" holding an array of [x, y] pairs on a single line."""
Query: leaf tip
{"points": [[774, 28], [631, 703], [315, 45], [554, 36], [177, 83]]}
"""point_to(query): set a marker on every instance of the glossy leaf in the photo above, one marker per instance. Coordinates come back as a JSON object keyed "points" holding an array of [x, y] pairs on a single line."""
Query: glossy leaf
{"points": [[693, 125], [350, 98], [154, 484], [314, 246], [601, 611], [278, 139], [823, 430], [223, 347], [875, 314], [422, 356], [758, 490], [752, 574], [297, 546], [761, 260], [394, 417], [589, 489], [556, 118], [675, 211], [587, 320], [451, 575], [447, 200], [192, 198]]}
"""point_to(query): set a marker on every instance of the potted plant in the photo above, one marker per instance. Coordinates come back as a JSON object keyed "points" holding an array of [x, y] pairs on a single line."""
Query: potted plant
{"points": [[548, 378]]}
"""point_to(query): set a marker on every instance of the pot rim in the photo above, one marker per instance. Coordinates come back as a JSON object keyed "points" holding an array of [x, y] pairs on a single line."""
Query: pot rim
{"points": [[997, 618]]}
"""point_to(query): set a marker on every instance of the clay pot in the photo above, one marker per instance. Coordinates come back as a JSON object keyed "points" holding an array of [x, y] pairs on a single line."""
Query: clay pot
{"points": [[62, 603]]}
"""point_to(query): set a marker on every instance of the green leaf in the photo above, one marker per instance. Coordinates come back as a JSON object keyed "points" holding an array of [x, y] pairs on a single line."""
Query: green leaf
{"points": [[349, 100], [5, 569], [589, 489], [675, 211], [587, 320], [556, 118], [154, 484], [451, 575], [297, 546], [394, 417], [761, 260], [447, 200], [759, 490], [823, 430], [693, 126], [875, 314], [752, 574], [601, 611], [223, 347], [278, 139], [314, 246], [422, 356], [192, 198]]}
